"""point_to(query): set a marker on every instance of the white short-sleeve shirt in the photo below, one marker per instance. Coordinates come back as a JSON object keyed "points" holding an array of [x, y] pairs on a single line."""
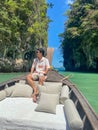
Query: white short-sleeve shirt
{"points": [[40, 65]]}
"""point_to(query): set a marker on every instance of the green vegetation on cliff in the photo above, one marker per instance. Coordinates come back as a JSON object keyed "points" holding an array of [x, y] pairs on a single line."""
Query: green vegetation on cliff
{"points": [[79, 42]]}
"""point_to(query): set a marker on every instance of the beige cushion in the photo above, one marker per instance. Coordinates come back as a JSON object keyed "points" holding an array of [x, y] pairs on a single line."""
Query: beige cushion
{"points": [[9, 90], [22, 90], [53, 84], [22, 81], [2, 95], [73, 117], [64, 94], [48, 103], [51, 88]]}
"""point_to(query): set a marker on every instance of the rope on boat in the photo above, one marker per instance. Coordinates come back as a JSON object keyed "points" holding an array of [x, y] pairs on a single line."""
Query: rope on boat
{"points": [[67, 77]]}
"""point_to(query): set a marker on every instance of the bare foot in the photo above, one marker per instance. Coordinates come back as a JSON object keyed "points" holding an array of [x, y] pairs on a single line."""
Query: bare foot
{"points": [[34, 95], [34, 98]]}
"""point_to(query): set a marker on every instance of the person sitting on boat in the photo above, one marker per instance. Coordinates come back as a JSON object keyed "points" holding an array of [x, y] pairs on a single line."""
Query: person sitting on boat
{"points": [[39, 71]]}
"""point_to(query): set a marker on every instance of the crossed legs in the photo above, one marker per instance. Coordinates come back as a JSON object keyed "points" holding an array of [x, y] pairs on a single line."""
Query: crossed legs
{"points": [[30, 81]]}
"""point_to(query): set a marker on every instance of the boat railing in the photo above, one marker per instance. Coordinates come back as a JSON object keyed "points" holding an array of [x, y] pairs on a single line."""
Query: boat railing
{"points": [[87, 114]]}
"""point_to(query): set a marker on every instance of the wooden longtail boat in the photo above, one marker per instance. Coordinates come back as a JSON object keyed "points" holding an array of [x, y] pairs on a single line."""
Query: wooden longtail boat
{"points": [[88, 116]]}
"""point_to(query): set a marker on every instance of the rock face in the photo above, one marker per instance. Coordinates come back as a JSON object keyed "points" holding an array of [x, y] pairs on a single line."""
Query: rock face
{"points": [[18, 65]]}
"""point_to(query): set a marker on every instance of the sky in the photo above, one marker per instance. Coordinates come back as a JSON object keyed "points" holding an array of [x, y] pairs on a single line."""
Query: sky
{"points": [[56, 27]]}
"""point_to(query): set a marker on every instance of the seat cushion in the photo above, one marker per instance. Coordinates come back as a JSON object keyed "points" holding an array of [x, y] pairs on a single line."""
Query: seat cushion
{"points": [[64, 94], [50, 88], [2, 95], [73, 117], [9, 90], [22, 90], [48, 103]]}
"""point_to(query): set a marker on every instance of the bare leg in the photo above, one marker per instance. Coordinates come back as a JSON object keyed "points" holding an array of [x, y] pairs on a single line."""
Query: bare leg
{"points": [[32, 84], [41, 79], [31, 81]]}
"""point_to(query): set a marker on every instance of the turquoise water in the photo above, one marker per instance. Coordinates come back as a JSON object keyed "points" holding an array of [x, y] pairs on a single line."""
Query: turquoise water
{"points": [[87, 83], [7, 76]]}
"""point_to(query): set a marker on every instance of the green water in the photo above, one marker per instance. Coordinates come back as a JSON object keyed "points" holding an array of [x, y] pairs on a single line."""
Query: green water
{"points": [[88, 85], [7, 76]]}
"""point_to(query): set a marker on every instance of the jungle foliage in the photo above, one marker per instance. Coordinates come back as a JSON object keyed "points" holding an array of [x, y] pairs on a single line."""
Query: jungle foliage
{"points": [[79, 42], [23, 28]]}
